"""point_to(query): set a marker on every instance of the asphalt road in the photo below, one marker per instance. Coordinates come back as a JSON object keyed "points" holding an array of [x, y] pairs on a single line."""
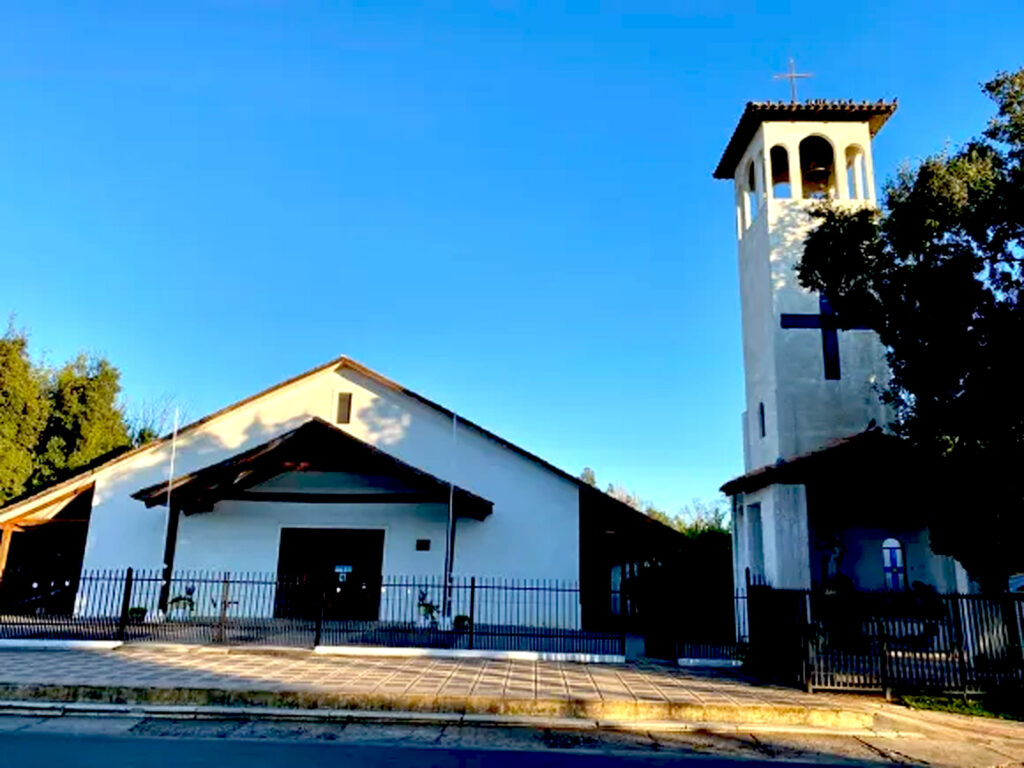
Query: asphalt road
{"points": [[84, 751]]}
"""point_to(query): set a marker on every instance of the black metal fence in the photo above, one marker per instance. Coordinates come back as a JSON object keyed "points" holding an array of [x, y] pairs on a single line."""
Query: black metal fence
{"points": [[716, 640], [261, 609], [893, 641]]}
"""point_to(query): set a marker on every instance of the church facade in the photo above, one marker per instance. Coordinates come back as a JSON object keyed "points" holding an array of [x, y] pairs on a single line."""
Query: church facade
{"points": [[339, 473], [820, 504]]}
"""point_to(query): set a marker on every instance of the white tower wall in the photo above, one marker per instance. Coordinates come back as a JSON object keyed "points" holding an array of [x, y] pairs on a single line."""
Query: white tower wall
{"points": [[785, 367]]}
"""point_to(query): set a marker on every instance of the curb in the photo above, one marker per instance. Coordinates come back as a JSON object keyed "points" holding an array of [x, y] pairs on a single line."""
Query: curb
{"points": [[465, 653], [59, 645], [449, 719], [315, 703], [709, 663]]}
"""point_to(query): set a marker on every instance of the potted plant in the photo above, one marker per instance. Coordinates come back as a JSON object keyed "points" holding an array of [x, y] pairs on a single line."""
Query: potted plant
{"points": [[427, 609], [182, 604], [137, 614]]}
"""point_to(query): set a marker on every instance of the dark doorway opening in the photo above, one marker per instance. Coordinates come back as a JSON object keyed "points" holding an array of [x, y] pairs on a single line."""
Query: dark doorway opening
{"points": [[337, 570]]}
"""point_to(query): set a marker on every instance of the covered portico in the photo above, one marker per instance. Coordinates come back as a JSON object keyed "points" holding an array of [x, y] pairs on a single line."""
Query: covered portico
{"points": [[851, 515], [314, 503]]}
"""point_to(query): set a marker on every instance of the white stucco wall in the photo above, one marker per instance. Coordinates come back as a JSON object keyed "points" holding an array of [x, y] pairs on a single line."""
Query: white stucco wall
{"points": [[245, 536], [862, 558], [533, 531], [782, 557]]}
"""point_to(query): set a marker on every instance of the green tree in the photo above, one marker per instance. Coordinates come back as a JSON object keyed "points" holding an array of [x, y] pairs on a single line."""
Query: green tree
{"points": [[938, 274], [695, 519], [150, 419], [84, 422], [23, 410]]}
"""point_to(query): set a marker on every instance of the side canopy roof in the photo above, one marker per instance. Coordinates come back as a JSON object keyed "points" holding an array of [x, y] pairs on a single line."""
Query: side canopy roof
{"points": [[853, 456], [315, 446], [874, 113]]}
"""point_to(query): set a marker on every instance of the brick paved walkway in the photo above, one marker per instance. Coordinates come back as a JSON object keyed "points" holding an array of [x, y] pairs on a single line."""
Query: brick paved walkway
{"points": [[207, 668]]}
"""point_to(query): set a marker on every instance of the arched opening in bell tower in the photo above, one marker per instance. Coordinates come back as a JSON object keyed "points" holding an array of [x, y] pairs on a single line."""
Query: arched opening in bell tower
{"points": [[856, 180], [817, 168], [752, 192], [779, 160]]}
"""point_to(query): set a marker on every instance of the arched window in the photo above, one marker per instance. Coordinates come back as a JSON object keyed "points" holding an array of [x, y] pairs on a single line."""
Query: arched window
{"points": [[779, 158], [753, 199], [856, 186], [894, 565], [817, 168]]}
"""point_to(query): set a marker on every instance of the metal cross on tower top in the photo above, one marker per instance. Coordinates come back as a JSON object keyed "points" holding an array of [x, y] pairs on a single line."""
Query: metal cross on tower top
{"points": [[792, 75]]}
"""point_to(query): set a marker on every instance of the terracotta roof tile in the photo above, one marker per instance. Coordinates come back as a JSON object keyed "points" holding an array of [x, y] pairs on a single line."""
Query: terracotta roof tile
{"points": [[757, 112]]}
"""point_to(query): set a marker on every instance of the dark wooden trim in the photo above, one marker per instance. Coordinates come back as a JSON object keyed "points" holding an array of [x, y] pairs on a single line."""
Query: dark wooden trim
{"points": [[170, 546], [43, 505], [6, 533], [300, 497], [203, 504]]}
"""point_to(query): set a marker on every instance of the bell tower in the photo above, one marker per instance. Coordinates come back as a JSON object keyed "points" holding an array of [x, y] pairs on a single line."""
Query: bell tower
{"points": [[810, 378]]}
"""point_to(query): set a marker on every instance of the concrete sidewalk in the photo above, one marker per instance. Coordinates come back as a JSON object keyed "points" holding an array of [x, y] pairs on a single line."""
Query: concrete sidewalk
{"points": [[191, 675]]}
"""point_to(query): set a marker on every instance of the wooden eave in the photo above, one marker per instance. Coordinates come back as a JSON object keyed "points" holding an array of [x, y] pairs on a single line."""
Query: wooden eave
{"points": [[43, 510], [314, 446], [875, 113], [843, 457]]}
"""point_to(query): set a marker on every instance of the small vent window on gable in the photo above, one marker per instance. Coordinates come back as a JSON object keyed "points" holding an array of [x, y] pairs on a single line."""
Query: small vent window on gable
{"points": [[344, 408]]}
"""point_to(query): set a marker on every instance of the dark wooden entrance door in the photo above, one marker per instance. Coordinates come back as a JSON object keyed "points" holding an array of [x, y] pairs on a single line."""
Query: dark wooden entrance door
{"points": [[339, 566]]}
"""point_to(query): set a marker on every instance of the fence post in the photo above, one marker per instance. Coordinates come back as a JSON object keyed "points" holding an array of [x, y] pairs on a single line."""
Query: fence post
{"points": [[1008, 613], [807, 670], [883, 626], [126, 605], [318, 633], [472, 609], [622, 626], [959, 640], [222, 621]]}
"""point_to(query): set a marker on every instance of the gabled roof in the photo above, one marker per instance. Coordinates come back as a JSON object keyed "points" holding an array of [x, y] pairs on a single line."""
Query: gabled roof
{"points": [[875, 113], [314, 446], [57, 492], [847, 456]]}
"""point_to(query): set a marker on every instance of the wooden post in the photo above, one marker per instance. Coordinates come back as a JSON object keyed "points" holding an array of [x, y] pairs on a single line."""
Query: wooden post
{"points": [[5, 547], [222, 622], [472, 609], [126, 605], [170, 545]]}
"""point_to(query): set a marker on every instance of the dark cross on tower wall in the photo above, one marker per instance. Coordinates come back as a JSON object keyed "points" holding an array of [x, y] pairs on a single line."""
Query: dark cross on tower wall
{"points": [[792, 75], [828, 323]]}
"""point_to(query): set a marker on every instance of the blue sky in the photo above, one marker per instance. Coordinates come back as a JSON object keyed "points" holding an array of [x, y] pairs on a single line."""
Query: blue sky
{"points": [[507, 207]]}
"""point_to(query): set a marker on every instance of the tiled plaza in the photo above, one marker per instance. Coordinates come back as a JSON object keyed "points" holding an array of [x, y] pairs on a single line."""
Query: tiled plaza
{"points": [[182, 667]]}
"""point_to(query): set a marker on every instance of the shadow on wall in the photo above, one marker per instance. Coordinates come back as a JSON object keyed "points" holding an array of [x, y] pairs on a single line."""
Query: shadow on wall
{"points": [[386, 423]]}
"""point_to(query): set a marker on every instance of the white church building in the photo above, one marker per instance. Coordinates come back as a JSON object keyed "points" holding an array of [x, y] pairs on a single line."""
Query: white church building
{"points": [[336, 471], [821, 503]]}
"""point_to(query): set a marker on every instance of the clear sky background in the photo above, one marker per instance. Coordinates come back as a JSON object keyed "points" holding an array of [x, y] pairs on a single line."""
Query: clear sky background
{"points": [[507, 207]]}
